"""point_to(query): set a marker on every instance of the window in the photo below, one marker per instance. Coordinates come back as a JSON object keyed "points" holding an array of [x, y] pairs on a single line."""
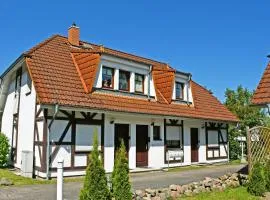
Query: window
{"points": [[107, 77], [139, 83], [174, 137], [156, 133], [179, 90], [123, 80]]}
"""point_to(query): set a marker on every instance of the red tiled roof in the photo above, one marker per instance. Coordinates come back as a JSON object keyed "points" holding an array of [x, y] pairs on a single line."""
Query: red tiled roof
{"points": [[262, 93], [87, 66], [56, 80], [163, 80]]}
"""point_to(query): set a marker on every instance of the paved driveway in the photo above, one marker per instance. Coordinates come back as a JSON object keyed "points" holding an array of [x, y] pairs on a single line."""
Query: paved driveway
{"points": [[139, 180]]}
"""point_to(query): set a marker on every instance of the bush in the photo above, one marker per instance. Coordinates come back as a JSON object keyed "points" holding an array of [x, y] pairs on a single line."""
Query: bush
{"points": [[256, 185], [234, 146], [120, 177], [4, 150], [95, 182], [267, 175]]}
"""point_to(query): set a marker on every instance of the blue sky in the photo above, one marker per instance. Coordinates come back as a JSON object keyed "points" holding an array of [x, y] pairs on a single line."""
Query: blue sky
{"points": [[222, 43]]}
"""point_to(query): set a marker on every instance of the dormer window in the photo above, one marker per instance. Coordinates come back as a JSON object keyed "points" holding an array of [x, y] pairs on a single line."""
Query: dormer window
{"points": [[179, 90], [107, 77], [124, 80], [139, 79]]}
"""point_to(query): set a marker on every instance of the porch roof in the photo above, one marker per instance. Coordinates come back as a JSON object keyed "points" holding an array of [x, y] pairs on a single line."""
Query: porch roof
{"points": [[56, 78]]}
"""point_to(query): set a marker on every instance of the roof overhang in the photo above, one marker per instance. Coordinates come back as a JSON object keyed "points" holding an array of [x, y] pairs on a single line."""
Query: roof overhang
{"points": [[145, 115], [17, 62]]}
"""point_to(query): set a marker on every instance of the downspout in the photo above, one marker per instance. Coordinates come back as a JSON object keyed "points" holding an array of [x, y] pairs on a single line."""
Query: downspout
{"points": [[268, 108], [56, 109], [188, 86], [149, 77]]}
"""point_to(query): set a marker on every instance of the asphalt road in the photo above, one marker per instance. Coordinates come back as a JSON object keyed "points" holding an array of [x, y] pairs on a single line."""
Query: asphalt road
{"points": [[156, 179]]}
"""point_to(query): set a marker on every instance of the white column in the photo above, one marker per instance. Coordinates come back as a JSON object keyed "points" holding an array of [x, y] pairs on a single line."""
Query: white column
{"points": [[146, 84], [60, 179], [187, 145], [116, 79], [99, 78], [108, 145], [132, 149], [132, 82]]}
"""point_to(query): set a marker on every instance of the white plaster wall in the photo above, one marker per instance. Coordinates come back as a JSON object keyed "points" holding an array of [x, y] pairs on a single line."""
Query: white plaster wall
{"points": [[108, 144], [7, 117], [156, 147], [26, 118]]}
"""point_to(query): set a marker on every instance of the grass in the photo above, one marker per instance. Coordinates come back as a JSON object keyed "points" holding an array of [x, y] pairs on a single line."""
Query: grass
{"points": [[19, 180], [195, 167], [229, 194]]}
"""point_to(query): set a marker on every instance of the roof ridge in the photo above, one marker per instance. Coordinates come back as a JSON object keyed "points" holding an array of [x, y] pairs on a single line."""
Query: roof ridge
{"points": [[120, 51], [31, 50]]}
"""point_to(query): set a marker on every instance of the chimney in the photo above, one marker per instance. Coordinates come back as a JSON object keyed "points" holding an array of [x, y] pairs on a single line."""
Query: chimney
{"points": [[74, 35]]}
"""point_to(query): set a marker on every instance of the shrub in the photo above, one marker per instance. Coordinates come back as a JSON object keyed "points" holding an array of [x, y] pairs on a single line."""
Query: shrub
{"points": [[267, 175], [95, 182], [234, 146], [256, 185], [120, 177], [4, 150]]}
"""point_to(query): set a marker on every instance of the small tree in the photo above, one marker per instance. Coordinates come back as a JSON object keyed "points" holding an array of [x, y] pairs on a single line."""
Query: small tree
{"points": [[256, 185], [95, 182], [267, 174], [120, 177], [4, 150]]}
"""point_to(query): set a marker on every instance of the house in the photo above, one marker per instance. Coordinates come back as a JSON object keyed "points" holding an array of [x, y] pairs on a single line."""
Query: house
{"points": [[55, 96]]}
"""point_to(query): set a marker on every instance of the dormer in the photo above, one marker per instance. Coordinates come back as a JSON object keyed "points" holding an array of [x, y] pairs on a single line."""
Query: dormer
{"points": [[124, 76], [182, 89]]}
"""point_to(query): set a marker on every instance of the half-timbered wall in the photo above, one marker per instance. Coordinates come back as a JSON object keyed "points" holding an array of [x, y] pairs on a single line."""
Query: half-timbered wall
{"points": [[70, 134], [216, 140], [174, 140]]}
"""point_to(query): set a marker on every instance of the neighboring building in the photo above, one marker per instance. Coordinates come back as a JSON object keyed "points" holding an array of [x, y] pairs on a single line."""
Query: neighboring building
{"points": [[57, 94], [261, 96]]}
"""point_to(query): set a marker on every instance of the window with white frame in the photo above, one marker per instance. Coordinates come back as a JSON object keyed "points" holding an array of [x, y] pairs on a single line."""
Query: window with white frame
{"points": [[139, 79], [124, 80], [107, 77], [179, 90]]}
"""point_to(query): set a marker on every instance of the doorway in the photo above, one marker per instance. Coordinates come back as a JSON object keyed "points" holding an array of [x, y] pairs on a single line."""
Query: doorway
{"points": [[142, 145], [194, 136], [121, 132]]}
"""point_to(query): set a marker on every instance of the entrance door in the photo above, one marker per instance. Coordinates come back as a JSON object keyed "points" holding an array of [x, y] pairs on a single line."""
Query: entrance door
{"points": [[121, 132], [141, 145], [194, 144]]}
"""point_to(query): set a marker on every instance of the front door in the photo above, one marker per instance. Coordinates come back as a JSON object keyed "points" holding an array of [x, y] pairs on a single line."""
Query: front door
{"points": [[121, 132], [194, 144], [141, 145]]}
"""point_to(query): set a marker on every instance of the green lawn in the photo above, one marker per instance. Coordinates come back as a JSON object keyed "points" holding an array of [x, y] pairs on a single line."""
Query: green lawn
{"points": [[229, 194], [19, 180], [194, 167]]}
